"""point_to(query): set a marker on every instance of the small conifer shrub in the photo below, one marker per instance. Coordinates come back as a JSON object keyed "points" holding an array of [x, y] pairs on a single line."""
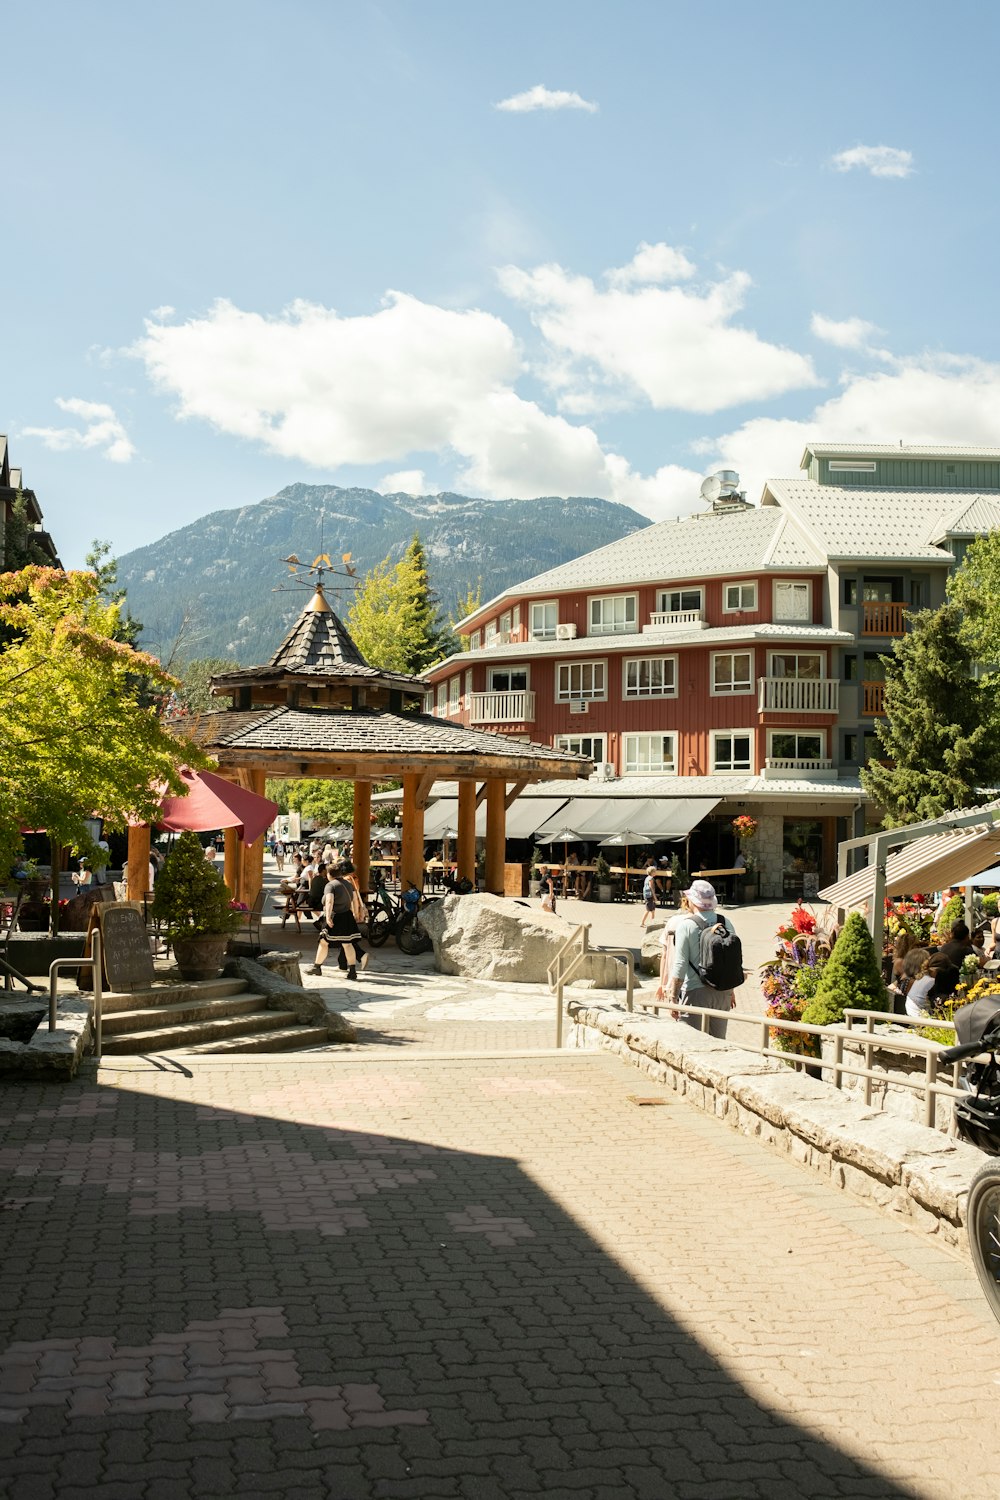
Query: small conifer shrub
{"points": [[852, 979], [190, 894]]}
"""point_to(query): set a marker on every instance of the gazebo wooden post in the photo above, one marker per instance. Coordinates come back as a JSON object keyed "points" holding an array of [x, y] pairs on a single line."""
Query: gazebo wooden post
{"points": [[465, 852], [496, 833], [231, 867], [412, 852], [138, 861], [251, 866], [362, 833]]}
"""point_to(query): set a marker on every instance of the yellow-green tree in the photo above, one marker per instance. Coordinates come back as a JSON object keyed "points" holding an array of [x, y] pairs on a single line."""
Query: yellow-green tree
{"points": [[394, 617], [77, 741]]}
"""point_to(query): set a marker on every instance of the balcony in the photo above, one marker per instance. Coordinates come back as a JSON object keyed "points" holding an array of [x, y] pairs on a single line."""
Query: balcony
{"points": [[873, 698], [778, 766], [678, 619], [798, 695], [514, 637], [502, 708], [883, 618]]}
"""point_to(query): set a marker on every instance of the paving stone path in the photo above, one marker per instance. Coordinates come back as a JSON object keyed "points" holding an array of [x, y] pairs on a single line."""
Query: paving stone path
{"points": [[459, 1279]]}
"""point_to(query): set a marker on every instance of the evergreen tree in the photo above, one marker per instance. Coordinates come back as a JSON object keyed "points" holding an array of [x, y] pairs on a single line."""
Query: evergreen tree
{"points": [[975, 589], [939, 733], [851, 980], [21, 547], [394, 616], [193, 693], [105, 569]]}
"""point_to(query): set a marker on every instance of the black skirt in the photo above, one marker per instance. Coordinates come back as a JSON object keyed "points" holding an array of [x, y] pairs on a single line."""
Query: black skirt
{"points": [[344, 928]]}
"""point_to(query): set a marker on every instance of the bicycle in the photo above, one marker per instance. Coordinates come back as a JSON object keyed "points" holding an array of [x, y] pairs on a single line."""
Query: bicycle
{"points": [[391, 916], [977, 1119]]}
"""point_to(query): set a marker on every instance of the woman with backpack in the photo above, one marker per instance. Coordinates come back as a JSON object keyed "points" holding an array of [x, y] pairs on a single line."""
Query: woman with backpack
{"points": [[341, 904], [707, 963]]}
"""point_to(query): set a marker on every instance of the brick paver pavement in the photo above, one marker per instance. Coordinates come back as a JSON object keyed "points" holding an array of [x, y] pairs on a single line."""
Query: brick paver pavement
{"points": [[482, 1278]]}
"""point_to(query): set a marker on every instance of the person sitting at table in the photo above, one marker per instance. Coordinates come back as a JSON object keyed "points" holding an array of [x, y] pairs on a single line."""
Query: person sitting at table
{"points": [[932, 981]]}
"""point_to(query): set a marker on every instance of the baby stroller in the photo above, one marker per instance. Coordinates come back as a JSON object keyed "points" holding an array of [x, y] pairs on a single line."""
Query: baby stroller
{"points": [[977, 1118]]}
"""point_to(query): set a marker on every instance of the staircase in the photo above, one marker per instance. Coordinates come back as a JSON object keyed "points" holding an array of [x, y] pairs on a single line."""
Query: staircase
{"points": [[217, 1015]]}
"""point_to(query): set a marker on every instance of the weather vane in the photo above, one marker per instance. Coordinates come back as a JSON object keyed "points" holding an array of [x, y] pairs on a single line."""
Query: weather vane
{"points": [[303, 575]]}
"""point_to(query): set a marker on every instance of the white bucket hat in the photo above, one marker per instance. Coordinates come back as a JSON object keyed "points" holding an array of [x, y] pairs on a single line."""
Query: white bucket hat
{"points": [[702, 895]]}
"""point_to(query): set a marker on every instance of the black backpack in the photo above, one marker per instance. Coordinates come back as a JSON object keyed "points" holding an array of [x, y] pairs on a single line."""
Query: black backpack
{"points": [[720, 960]]}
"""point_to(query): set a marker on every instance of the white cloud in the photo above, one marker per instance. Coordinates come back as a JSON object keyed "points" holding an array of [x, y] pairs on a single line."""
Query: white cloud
{"points": [[409, 379], [880, 161], [934, 400], [676, 347], [405, 482], [652, 263], [847, 333], [540, 97], [101, 429]]}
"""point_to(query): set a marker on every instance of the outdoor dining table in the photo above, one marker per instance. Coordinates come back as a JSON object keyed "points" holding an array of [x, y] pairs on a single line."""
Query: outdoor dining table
{"points": [[729, 874]]}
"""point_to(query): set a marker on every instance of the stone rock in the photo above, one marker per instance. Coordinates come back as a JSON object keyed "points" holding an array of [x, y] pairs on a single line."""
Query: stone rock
{"points": [[488, 937], [280, 994], [52, 1054], [649, 960]]}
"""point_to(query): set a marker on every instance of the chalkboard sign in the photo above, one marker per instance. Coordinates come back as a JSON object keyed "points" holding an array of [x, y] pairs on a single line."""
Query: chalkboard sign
{"points": [[128, 962]]}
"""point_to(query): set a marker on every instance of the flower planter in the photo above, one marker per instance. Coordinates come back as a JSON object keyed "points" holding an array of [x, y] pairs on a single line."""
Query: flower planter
{"points": [[201, 957]]}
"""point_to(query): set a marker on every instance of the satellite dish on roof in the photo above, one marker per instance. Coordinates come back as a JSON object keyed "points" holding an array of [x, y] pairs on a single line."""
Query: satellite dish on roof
{"points": [[711, 488]]}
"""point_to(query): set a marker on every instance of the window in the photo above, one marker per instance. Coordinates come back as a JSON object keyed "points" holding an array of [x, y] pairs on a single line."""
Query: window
{"points": [[850, 591], [544, 619], [805, 666], [508, 679], [429, 702], [678, 601], [581, 679], [732, 672], [850, 466], [594, 745], [442, 697], [793, 601], [650, 754], [613, 614], [475, 640], [505, 624], [784, 745], [650, 677], [468, 682], [860, 749], [491, 633], [736, 596], [516, 617], [454, 694], [731, 750]]}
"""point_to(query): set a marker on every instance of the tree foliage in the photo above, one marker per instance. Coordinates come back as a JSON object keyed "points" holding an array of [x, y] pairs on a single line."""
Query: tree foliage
{"points": [[105, 569], [465, 605], [327, 802], [190, 894], [192, 692], [77, 740], [940, 725], [852, 978], [394, 616], [21, 547], [975, 589]]}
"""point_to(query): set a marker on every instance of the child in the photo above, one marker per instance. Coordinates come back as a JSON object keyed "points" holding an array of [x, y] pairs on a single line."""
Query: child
{"points": [[649, 894]]}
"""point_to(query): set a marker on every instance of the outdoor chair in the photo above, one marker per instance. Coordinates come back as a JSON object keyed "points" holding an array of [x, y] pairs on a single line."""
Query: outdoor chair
{"points": [[10, 908], [254, 916]]}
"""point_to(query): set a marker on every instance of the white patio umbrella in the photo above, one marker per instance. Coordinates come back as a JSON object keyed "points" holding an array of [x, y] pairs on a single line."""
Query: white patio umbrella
{"points": [[626, 839], [565, 836]]}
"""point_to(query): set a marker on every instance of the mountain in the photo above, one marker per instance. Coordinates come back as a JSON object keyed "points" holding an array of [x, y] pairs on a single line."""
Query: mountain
{"points": [[210, 588]]}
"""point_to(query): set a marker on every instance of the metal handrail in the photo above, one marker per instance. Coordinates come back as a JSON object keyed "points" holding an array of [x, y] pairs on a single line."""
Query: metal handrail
{"points": [[96, 964], [559, 977]]}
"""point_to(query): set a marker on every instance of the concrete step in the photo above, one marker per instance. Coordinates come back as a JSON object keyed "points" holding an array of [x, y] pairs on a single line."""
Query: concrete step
{"points": [[181, 1013], [172, 994], [291, 1039], [169, 1038]]}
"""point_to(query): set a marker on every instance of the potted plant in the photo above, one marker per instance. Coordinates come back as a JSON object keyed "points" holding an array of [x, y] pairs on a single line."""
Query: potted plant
{"points": [[602, 878], [534, 880], [191, 898]]}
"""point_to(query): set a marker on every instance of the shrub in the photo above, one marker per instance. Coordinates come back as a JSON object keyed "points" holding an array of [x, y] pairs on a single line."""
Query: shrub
{"points": [[852, 978], [954, 911], [190, 895], [991, 905], [602, 871]]}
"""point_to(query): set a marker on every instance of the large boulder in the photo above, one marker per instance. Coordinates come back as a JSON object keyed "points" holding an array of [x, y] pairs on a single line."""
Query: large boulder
{"points": [[652, 948], [488, 937]]}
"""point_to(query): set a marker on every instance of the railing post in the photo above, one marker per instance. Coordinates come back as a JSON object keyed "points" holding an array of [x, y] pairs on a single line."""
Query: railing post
{"points": [[930, 1079], [838, 1059], [98, 958]]}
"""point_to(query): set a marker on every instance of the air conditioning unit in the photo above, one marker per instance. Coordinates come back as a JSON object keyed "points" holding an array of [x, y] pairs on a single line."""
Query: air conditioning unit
{"points": [[579, 706], [605, 771], [565, 632]]}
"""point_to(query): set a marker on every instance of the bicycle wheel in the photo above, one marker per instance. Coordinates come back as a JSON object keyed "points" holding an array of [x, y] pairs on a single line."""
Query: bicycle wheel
{"points": [[379, 927], [411, 936], [983, 1225]]}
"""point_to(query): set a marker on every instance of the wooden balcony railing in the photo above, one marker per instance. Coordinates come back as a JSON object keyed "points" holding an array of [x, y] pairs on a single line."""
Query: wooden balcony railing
{"points": [[873, 697], [800, 695], [502, 708], [882, 618]]}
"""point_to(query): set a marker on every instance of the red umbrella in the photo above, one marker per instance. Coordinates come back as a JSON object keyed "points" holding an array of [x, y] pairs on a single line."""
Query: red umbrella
{"points": [[214, 802]]}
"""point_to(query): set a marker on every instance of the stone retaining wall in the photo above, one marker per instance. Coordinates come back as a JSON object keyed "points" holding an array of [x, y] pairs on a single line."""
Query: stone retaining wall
{"points": [[905, 1168], [52, 1054]]}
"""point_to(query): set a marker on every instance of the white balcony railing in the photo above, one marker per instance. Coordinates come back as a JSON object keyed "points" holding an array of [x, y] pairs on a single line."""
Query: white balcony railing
{"points": [[683, 619], [502, 708], [792, 764], [798, 695]]}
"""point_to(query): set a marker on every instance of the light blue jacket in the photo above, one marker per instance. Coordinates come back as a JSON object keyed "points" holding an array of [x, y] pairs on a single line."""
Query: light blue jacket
{"points": [[687, 947]]}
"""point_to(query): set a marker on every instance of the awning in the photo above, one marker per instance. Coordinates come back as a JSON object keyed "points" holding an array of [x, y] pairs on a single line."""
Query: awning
{"points": [[524, 816], [671, 817], [656, 817], [213, 802], [927, 864]]}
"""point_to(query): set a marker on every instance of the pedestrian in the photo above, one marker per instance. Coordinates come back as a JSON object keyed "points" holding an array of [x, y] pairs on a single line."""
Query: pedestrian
{"points": [[649, 894], [700, 978], [548, 889], [341, 903], [279, 855]]}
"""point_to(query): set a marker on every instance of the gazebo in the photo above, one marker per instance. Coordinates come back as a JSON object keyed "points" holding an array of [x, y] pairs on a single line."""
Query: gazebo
{"points": [[318, 709]]}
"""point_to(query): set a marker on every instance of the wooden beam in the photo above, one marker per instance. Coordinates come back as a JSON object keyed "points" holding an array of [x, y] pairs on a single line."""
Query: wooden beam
{"points": [[466, 850], [362, 833], [496, 834], [515, 792], [427, 780], [481, 794], [412, 853], [138, 861]]}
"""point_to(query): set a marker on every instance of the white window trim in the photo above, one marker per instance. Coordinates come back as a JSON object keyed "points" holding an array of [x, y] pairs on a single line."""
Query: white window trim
{"points": [[510, 667], [740, 583], [742, 692], [819, 654], [627, 627], [729, 770], [652, 734], [542, 604], [643, 697], [476, 641], [574, 697], [515, 616], [559, 743], [455, 695], [818, 734], [662, 602], [793, 583]]}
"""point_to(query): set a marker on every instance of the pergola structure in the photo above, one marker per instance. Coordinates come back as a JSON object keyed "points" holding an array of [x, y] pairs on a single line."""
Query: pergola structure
{"points": [[318, 709]]}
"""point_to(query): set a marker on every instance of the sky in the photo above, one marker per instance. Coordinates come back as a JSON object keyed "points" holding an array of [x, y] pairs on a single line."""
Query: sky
{"points": [[505, 249]]}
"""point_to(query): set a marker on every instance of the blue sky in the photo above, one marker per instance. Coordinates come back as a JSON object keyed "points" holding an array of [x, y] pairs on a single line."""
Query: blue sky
{"points": [[251, 244]]}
